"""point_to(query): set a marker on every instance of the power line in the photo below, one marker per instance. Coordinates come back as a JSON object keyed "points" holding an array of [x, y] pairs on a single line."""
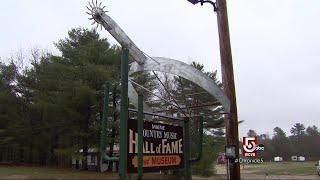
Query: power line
{"points": [[169, 94], [144, 88], [150, 57]]}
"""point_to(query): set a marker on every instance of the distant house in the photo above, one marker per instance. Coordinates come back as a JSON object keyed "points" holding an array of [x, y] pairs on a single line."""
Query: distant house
{"points": [[278, 159], [294, 158], [298, 158], [301, 159], [93, 159]]}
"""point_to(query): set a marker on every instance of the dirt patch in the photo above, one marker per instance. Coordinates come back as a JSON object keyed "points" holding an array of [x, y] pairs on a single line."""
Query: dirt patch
{"points": [[251, 174], [220, 169], [278, 177]]}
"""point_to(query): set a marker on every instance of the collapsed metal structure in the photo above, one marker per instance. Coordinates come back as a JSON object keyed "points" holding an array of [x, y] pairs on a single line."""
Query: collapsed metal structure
{"points": [[143, 62]]}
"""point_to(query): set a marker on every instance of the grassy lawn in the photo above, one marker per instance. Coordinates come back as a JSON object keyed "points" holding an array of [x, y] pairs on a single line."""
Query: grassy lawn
{"points": [[282, 168], [29, 172], [34, 172]]}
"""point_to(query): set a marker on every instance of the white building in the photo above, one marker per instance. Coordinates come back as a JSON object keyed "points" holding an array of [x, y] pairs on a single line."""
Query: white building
{"points": [[278, 159]]}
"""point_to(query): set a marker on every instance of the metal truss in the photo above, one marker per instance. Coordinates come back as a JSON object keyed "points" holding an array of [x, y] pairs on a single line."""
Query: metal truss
{"points": [[143, 62]]}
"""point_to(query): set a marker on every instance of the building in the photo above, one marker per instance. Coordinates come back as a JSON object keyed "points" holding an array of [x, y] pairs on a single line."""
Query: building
{"points": [[294, 158], [278, 159], [298, 158], [301, 159], [93, 159]]}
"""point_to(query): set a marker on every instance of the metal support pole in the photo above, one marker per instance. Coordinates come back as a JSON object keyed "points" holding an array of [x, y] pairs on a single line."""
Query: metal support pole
{"points": [[140, 137], [200, 141], [104, 124], [103, 137], [124, 114], [232, 136], [186, 150]]}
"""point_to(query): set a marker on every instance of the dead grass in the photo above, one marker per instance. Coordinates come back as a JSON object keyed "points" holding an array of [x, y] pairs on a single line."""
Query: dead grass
{"points": [[281, 168], [36, 172]]}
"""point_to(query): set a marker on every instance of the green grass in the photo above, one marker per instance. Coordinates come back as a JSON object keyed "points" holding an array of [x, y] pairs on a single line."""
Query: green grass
{"points": [[34, 172], [30, 172], [282, 168]]}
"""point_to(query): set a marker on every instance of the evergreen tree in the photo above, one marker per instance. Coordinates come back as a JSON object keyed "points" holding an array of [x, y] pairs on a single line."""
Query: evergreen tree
{"points": [[60, 97], [251, 133], [297, 138], [281, 144]]}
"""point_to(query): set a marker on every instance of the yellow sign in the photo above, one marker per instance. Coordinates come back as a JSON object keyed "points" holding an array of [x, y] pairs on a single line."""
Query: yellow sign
{"points": [[158, 161], [162, 146]]}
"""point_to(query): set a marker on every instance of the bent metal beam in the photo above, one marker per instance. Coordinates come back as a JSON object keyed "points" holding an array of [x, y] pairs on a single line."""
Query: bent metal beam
{"points": [[146, 63], [186, 71]]}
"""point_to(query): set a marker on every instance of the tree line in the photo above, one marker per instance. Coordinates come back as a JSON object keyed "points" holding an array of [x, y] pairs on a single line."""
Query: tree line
{"points": [[301, 142], [52, 107]]}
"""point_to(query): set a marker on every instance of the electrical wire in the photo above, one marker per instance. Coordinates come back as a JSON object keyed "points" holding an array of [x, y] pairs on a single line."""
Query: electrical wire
{"points": [[150, 57], [169, 94], [144, 88]]}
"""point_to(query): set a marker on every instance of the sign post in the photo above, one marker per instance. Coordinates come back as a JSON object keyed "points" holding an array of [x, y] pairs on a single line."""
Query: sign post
{"points": [[124, 114], [187, 168], [103, 141], [104, 138], [140, 137]]}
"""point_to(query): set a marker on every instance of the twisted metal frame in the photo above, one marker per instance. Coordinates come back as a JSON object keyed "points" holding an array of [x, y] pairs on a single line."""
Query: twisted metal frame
{"points": [[143, 62]]}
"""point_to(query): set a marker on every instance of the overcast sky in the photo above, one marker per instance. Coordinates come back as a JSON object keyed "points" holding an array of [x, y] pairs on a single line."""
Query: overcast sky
{"points": [[275, 46]]}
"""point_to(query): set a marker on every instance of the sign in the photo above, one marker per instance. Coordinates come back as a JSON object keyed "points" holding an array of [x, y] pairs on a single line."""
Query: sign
{"points": [[250, 146], [162, 146]]}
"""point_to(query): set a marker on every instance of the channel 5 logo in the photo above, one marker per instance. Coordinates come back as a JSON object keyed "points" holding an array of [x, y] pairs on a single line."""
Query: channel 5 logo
{"points": [[250, 146]]}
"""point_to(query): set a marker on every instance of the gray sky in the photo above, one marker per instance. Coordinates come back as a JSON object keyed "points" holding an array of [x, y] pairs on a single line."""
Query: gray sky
{"points": [[275, 46]]}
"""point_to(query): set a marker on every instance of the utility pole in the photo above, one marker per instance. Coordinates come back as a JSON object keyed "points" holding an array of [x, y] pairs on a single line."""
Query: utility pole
{"points": [[228, 87], [231, 119]]}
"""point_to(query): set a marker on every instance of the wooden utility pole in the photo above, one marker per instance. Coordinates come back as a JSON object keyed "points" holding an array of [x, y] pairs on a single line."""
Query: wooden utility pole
{"points": [[232, 136]]}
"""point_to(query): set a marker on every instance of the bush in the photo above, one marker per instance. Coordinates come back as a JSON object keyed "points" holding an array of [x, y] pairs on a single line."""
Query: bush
{"points": [[205, 167]]}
